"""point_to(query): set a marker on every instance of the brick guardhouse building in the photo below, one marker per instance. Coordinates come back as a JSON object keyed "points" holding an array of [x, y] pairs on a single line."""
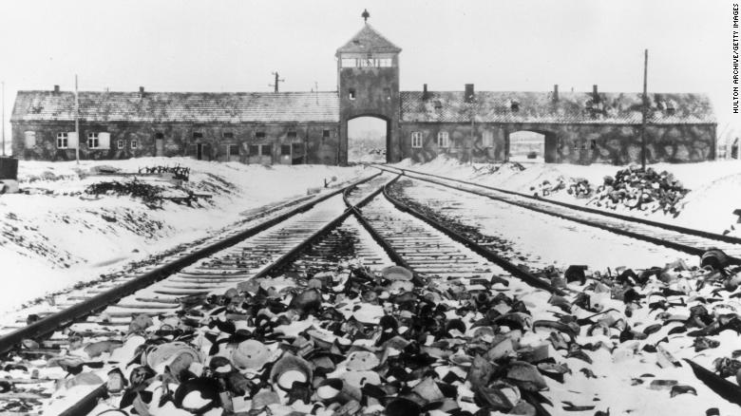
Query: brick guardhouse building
{"points": [[312, 127]]}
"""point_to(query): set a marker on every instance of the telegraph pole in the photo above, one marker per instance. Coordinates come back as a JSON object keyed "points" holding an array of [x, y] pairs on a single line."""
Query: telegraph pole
{"points": [[2, 124], [645, 110], [77, 122], [277, 80]]}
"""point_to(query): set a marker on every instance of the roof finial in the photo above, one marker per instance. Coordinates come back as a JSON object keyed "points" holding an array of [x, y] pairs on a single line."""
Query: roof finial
{"points": [[365, 15]]}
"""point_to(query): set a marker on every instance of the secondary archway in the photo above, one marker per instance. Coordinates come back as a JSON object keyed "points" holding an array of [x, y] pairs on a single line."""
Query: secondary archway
{"points": [[367, 140], [527, 146]]}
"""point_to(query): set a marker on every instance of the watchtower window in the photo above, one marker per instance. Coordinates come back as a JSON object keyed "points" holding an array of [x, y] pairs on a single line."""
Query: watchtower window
{"points": [[351, 95], [260, 135], [292, 135], [417, 139]]}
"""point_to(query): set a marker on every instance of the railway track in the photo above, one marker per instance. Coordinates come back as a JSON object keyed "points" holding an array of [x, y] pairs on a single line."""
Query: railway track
{"points": [[309, 239], [316, 238], [694, 242]]}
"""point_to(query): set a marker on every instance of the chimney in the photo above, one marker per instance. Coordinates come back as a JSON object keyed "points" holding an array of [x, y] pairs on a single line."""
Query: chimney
{"points": [[595, 94], [469, 93], [555, 93], [56, 89], [425, 94]]}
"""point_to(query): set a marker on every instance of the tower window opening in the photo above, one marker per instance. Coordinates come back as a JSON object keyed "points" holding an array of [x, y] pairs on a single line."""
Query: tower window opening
{"points": [[351, 95]]}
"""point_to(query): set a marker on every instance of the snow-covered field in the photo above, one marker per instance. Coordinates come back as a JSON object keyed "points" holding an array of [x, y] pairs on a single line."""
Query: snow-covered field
{"points": [[54, 234]]}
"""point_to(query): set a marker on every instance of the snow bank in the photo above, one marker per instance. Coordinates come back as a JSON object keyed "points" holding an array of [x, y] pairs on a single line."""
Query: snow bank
{"points": [[714, 186], [56, 235]]}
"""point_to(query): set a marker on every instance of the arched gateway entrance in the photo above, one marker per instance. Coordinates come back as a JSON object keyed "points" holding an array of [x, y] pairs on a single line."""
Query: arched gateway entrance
{"points": [[367, 140]]}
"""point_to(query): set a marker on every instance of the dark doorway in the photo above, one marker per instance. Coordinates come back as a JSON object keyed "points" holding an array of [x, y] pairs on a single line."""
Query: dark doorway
{"points": [[159, 144], [367, 139]]}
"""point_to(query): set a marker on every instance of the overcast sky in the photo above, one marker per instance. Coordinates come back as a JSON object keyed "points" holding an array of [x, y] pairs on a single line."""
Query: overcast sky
{"points": [[184, 45]]}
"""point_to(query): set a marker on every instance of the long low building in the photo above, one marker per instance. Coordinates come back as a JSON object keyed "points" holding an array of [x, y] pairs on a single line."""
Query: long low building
{"points": [[312, 127]]}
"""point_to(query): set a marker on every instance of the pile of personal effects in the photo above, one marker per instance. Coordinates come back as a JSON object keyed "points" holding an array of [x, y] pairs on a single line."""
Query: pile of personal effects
{"points": [[645, 190], [353, 342]]}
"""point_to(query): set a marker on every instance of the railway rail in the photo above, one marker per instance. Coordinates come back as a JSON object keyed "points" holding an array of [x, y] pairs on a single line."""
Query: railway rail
{"points": [[313, 237], [691, 241]]}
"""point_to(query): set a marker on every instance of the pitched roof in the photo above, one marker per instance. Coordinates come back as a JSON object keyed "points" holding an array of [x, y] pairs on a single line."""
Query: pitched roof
{"points": [[179, 107], [539, 107], [368, 40]]}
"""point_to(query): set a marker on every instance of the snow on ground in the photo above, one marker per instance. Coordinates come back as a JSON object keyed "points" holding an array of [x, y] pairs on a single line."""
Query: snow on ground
{"points": [[55, 235], [714, 186]]}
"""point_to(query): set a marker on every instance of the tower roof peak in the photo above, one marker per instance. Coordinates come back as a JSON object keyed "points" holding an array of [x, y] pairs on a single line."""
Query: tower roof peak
{"points": [[368, 40]]}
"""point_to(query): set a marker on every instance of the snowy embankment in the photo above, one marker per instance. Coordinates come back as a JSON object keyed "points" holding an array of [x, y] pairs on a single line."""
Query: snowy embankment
{"points": [[54, 234], [714, 187]]}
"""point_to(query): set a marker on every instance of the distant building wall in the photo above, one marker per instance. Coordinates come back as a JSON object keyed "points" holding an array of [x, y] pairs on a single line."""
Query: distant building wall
{"points": [[564, 143], [278, 143]]}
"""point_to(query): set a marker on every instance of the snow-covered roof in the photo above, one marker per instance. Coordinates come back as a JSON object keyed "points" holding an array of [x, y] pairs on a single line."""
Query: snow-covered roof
{"points": [[179, 107], [540, 107], [368, 40]]}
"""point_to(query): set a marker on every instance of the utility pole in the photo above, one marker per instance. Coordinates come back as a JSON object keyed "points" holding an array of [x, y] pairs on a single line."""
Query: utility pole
{"points": [[277, 80], [645, 111], [77, 122], [2, 124]]}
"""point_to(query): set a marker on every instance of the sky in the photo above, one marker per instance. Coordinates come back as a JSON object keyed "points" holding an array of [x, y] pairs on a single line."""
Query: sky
{"points": [[233, 46]]}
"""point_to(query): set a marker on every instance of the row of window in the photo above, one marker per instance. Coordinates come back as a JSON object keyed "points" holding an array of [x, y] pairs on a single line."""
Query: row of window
{"points": [[68, 140], [367, 62], [443, 139], [102, 140]]}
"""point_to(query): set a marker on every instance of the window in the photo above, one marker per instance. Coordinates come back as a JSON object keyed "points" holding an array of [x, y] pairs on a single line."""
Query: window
{"points": [[417, 139], [285, 150], [227, 135], [488, 140], [197, 135], [438, 105], [515, 106], [292, 135], [121, 143], [104, 140], [62, 140], [267, 149], [159, 135], [367, 62], [593, 144], [260, 135], [134, 143], [233, 150], [92, 140], [325, 136], [443, 140], [352, 94], [30, 137], [253, 150]]}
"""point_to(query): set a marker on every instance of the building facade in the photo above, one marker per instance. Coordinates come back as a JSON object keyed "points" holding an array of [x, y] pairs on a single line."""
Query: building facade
{"points": [[312, 127]]}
